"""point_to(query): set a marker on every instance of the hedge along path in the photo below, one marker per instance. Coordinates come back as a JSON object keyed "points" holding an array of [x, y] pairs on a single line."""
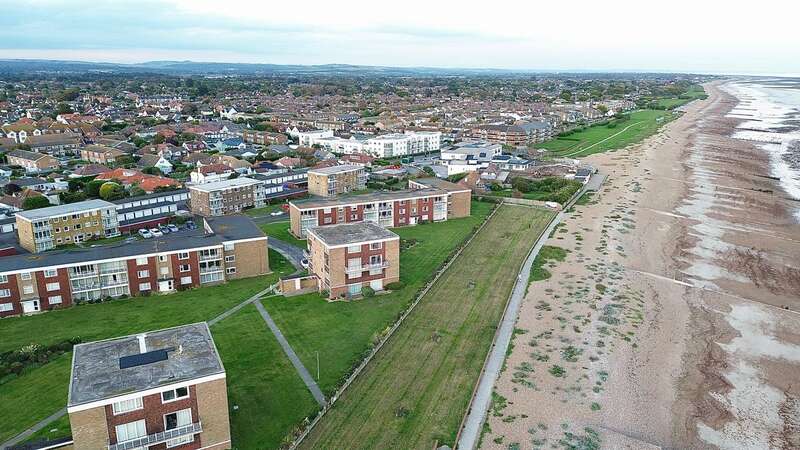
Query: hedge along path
{"points": [[416, 390]]}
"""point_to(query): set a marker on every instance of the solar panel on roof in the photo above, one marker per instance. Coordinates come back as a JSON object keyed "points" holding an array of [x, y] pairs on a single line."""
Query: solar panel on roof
{"points": [[142, 359]]}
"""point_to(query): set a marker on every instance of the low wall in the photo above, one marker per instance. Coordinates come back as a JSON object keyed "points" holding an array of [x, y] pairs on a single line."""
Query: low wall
{"points": [[298, 285]]}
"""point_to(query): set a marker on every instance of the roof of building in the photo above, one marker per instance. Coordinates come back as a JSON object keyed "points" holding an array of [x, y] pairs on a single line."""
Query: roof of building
{"points": [[439, 183], [114, 367], [370, 197], [69, 208], [351, 233], [25, 154], [224, 184], [225, 229], [330, 170]]}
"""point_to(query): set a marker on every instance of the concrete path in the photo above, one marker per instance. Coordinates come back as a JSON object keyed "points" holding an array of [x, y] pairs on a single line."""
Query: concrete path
{"points": [[29, 432], [298, 365], [483, 394]]}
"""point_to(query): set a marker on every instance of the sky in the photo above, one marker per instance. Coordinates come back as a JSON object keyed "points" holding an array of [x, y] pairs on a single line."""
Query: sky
{"points": [[702, 36]]}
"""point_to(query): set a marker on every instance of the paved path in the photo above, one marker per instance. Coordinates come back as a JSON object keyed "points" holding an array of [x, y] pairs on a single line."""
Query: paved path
{"points": [[29, 432], [298, 365], [291, 252], [483, 394]]}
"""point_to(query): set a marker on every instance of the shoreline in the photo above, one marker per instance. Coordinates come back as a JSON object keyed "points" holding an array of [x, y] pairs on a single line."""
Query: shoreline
{"points": [[649, 312]]}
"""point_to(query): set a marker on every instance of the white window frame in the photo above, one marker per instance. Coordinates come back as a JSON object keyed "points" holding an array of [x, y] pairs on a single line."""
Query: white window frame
{"points": [[27, 289], [143, 273], [182, 440], [183, 255], [55, 300], [50, 273], [3, 278], [230, 258], [185, 268], [4, 293], [140, 427], [25, 275], [230, 270], [126, 406], [376, 245], [175, 392], [5, 307], [186, 280], [141, 261], [145, 287], [53, 287]]}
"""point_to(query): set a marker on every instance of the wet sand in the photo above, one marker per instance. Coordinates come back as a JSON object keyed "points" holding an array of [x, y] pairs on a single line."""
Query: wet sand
{"points": [[672, 322]]}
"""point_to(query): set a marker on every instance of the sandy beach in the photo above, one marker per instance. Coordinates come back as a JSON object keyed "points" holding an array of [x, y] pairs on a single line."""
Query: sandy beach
{"points": [[673, 320]]}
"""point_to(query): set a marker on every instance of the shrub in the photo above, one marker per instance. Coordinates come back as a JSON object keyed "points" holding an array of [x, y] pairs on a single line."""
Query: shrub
{"points": [[324, 294], [397, 285], [367, 291]]}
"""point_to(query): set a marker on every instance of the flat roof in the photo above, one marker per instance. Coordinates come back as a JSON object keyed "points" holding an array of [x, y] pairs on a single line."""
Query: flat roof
{"points": [[335, 169], [225, 229], [351, 233], [96, 366], [370, 197], [69, 208], [224, 184], [438, 183]]}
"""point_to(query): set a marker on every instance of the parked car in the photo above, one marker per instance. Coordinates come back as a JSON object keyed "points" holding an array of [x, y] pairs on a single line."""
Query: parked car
{"points": [[304, 263], [277, 213], [156, 232], [172, 227], [145, 233], [190, 225], [164, 229]]}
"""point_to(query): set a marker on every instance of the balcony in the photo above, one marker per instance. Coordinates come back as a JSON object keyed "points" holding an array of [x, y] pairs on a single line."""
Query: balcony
{"points": [[356, 270], [158, 438]]}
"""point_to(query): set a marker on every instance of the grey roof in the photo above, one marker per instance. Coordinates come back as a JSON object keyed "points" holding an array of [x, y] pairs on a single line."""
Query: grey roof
{"points": [[224, 184], [225, 228], [96, 373], [351, 233], [370, 197], [438, 183], [335, 169], [69, 208], [153, 195]]}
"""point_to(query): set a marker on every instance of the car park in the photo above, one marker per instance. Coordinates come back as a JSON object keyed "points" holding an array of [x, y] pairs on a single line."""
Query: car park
{"points": [[164, 229], [156, 232], [145, 233], [172, 227]]}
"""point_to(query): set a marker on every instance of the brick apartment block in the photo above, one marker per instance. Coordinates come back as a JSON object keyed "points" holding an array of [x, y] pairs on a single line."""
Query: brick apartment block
{"points": [[221, 249], [429, 200], [227, 196], [156, 390], [46, 228], [348, 257], [336, 180]]}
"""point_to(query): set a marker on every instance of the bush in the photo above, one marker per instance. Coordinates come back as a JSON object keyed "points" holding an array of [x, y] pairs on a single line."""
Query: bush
{"points": [[397, 285], [367, 291], [324, 294]]}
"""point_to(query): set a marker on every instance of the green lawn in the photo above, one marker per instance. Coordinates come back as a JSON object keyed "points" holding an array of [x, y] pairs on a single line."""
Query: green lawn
{"points": [[280, 231], [39, 392], [601, 138], [34, 396], [265, 211], [57, 429], [270, 396], [417, 388], [343, 331]]}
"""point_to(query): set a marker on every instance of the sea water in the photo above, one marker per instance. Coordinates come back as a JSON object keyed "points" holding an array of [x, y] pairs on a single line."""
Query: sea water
{"points": [[770, 114]]}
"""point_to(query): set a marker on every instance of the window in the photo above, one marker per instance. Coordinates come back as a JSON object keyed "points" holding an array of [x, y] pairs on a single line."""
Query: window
{"points": [[143, 273], [162, 258], [375, 246], [54, 300], [144, 286], [141, 261], [230, 270], [25, 275], [353, 248], [186, 280], [228, 246], [50, 273], [230, 258], [3, 278], [164, 271], [127, 405], [184, 268], [53, 287], [5, 307], [66, 228], [176, 420], [174, 394], [27, 289], [183, 255], [5, 293], [58, 230], [131, 430]]}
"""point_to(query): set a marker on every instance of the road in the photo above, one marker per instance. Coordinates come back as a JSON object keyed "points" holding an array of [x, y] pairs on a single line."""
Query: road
{"points": [[483, 394]]}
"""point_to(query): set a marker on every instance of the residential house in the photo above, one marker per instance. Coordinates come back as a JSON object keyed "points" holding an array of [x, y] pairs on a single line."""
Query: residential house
{"points": [[101, 154], [32, 162]]}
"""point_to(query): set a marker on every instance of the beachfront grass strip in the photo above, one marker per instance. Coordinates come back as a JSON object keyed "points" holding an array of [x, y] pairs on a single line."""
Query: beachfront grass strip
{"points": [[269, 396], [103, 321], [417, 388], [601, 138], [280, 231], [341, 333], [548, 254]]}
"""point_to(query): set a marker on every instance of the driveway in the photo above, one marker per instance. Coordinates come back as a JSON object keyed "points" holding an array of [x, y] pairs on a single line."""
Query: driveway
{"points": [[292, 253]]}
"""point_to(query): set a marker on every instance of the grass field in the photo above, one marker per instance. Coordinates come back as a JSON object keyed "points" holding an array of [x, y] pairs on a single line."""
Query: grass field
{"points": [[270, 396], [417, 388], [41, 391], [601, 138], [280, 230], [343, 331]]}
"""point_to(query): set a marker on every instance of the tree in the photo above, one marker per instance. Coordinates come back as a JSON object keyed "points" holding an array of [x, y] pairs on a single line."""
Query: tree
{"points": [[11, 189], [429, 171], [159, 139], [136, 191], [63, 108], [152, 170], [233, 175], [566, 95], [603, 109], [72, 197], [112, 191], [92, 188], [36, 202]]}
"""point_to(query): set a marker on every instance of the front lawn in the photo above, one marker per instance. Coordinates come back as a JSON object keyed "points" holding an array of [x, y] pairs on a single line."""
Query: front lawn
{"points": [[280, 231]]}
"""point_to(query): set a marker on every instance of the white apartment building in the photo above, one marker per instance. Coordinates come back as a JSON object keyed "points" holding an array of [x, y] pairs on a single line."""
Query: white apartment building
{"points": [[308, 138], [383, 146]]}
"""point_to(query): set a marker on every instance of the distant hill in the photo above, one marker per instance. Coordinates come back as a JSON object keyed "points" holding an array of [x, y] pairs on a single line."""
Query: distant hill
{"points": [[36, 66]]}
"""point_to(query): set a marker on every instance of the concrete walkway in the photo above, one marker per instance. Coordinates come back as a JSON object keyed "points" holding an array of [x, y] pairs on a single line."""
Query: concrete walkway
{"points": [[483, 394], [29, 432], [298, 365]]}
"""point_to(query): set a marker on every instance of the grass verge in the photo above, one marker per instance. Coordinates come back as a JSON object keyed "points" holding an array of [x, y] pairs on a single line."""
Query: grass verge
{"points": [[547, 255]]}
